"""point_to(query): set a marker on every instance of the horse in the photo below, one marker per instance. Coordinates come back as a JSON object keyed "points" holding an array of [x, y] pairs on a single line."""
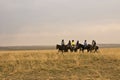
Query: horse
{"points": [[81, 47], [66, 48], [89, 48], [94, 48], [62, 48], [72, 48]]}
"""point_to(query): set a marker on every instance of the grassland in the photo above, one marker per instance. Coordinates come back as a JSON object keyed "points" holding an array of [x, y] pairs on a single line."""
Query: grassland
{"points": [[48, 65]]}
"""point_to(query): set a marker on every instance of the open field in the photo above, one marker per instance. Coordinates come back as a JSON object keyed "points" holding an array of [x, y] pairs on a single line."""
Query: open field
{"points": [[48, 65]]}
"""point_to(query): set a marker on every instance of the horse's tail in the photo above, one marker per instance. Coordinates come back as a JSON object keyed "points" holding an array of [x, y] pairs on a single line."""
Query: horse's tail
{"points": [[96, 49]]}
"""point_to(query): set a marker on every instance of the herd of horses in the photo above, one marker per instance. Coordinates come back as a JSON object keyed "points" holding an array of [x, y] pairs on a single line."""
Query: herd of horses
{"points": [[79, 47]]}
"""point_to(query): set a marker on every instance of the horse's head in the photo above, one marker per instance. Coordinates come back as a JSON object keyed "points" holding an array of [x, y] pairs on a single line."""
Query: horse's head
{"points": [[57, 46]]}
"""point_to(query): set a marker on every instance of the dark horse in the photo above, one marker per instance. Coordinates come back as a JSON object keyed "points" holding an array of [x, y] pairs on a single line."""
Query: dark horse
{"points": [[62, 48], [66, 48], [72, 48], [89, 48], [81, 47]]}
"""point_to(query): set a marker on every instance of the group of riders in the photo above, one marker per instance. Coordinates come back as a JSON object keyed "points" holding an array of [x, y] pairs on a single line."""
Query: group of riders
{"points": [[74, 46]]}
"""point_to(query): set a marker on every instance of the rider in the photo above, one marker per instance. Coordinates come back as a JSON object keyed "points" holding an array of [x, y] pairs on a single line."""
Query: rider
{"points": [[73, 43], [62, 43], [85, 43], [69, 43], [93, 43], [77, 43]]}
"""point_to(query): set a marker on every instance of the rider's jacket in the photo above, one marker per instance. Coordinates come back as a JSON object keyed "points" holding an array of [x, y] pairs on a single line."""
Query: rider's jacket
{"points": [[85, 44], [62, 43], [73, 43]]}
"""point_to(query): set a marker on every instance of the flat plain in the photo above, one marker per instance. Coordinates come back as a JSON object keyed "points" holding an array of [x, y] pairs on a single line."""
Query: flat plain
{"points": [[51, 65]]}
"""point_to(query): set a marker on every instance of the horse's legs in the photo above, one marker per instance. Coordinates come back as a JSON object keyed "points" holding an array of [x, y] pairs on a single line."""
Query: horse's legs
{"points": [[87, 50], [96, 48], [82, 50], [62, 51], [75, 50], [91, 51], [79, 50], [58, 51]]}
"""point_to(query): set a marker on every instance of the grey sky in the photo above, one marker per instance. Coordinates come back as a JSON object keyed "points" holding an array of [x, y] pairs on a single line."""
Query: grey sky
{"points": [[46, 22]]}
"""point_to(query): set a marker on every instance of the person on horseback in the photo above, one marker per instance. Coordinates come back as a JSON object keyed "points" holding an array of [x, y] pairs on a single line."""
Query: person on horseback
{"points": [[62, 43], [77, 43], [85, 43], [93, 43], [73, 43], [69, 43]]}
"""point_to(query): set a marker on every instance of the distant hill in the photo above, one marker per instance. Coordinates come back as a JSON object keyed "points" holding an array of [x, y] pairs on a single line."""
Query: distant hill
{"points": [[27, 47], [109, 45], [50, 47]]}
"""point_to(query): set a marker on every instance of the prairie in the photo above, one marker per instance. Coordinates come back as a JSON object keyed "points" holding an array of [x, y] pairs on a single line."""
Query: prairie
{"points": [[48, 65]]}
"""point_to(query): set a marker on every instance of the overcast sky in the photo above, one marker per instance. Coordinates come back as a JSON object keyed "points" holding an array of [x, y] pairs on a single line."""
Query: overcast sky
{"points": [[46, 22]]}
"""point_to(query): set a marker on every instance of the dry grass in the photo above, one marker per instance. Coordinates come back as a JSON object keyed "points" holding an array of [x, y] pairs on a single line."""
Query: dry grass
{"points": [[47, 65]]}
